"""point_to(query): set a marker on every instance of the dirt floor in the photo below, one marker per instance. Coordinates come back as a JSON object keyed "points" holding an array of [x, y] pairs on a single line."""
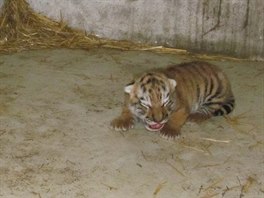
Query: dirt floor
{"points": [[55, 140]]}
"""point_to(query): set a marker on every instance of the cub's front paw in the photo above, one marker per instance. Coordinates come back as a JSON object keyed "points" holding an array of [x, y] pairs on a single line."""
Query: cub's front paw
{"points": [[169, 132], [122, 124]]}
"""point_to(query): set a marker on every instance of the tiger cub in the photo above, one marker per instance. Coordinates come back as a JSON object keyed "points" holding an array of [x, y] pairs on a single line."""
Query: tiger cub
{"points": [[164, 99]]}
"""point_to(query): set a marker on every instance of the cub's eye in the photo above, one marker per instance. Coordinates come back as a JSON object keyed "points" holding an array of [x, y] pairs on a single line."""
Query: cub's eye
{"points": [[143, 102], [166, 102]]}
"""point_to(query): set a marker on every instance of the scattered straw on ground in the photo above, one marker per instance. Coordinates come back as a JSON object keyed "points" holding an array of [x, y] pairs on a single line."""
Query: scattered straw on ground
{"points": [[237, 123]]}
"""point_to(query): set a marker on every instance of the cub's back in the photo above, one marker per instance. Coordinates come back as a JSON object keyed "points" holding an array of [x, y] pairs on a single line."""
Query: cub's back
{"points": [[200, 82]]}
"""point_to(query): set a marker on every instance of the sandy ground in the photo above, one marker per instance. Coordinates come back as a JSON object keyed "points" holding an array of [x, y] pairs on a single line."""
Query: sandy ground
{"points": [[55, 141]]}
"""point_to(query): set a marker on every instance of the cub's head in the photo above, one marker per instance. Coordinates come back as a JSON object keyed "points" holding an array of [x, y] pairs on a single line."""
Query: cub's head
{"points": [[152, 99]]}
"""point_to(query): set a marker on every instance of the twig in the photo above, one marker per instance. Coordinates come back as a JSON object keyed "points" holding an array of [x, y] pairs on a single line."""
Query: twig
{"points": [[122, 133], [214, 140], [228, 189], [210, 195], [176, 169], [247, 185], [144, 156], [159, 187], [2, 133], [211, 165], [200, 189], [196, 149], [241, 191], [110, 187], [213, 184]]}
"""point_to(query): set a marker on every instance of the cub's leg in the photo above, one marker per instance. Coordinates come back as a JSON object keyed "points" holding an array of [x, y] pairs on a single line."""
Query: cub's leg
{"points": [[199, 117], [172, 128], [125, 121]]}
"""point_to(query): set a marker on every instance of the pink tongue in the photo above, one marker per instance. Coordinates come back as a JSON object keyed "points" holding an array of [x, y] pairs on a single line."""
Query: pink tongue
{"points": [[155, 126]]}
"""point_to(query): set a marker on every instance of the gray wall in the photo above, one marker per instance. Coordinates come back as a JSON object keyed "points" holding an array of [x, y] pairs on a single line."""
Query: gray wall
{"points": [[229, 27], [1, 3]]}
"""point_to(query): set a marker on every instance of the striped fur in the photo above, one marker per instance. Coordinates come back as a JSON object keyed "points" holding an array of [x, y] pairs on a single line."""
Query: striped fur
{"points": [[204, 88], [164, 99]]}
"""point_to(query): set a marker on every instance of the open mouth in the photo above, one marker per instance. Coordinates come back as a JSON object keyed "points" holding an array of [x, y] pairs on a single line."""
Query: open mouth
{"points": [[154, 127]]}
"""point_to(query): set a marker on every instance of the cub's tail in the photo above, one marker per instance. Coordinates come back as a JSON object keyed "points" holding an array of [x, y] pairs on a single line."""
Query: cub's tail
{"points": [[225, 108]]}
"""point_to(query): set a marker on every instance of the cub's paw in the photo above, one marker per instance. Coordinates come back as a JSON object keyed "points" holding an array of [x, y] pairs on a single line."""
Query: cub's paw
{"points": [[169, 132], [122, 124]]}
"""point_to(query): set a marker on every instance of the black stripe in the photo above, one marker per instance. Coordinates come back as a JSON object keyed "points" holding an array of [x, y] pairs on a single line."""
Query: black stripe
{"points": [[232, 104], [131, 83], [192, 80], [213, 103], [195, 84], [154, 81], [219, 91], [201, 71], [210, 86], [218, 113], [143, 88], [203, 80], [214, 96], [197, 92], [206, 81], [227, 109], [206, 87], [148, 81]]}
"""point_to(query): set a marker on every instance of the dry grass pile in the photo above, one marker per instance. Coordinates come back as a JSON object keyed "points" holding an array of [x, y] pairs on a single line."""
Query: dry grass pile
{"points": [[22, 29]]}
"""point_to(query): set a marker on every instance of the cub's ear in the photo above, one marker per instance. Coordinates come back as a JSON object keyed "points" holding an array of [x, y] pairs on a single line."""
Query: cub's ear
{"points": [[173, 83], [128, 88]]}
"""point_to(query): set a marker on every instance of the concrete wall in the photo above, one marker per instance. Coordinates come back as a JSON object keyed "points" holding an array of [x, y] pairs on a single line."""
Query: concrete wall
{"points": [[1, 3], [229, 27]]}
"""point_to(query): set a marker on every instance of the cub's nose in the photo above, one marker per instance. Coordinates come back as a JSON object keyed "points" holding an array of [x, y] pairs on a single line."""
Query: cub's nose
{"points": [[158, 117], [159, 114]]}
